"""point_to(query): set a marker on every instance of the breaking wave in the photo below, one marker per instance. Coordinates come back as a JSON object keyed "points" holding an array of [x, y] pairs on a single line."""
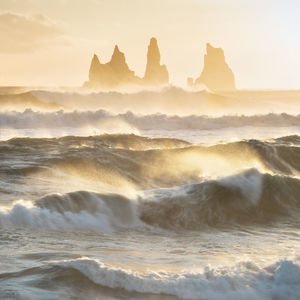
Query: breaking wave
{"points": [[147, 163], [74, 211], [246, 198], [177, 186], [98, 119], [243, 281]]}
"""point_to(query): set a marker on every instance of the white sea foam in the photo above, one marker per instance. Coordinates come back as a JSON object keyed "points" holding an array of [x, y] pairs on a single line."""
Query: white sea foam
{"points": [[194, 128], [243, 281], [74, 211], [102, 118], [246, 198]]}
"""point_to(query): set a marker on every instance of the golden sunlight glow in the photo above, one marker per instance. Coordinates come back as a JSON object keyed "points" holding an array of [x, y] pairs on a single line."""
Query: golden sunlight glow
{"points": [[52, 42]]}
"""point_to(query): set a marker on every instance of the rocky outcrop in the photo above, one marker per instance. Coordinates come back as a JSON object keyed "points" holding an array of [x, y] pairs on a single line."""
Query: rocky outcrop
{"points": [[216, 74], [112, 74], [155, 74], [116, 72]]}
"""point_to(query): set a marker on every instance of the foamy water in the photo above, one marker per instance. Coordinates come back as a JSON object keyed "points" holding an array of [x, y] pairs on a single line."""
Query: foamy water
{"points": [[102, 205]]}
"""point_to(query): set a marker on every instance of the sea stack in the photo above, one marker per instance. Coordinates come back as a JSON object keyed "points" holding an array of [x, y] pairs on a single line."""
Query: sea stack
{"points": [[116, 72], [216, 74], [155, 74], [113, 74]]}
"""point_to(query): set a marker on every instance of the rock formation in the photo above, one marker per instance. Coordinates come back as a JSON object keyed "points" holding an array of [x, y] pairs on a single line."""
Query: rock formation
{"points": [[216, 74], [112, 74], [116, 72], [155, 74]]}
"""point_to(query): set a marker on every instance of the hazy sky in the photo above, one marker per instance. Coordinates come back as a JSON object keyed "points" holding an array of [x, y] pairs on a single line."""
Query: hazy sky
{"points": [[51, 42]]}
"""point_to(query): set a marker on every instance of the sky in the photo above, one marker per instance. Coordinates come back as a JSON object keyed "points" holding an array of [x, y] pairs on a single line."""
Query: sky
{"points": [[51, 42]]}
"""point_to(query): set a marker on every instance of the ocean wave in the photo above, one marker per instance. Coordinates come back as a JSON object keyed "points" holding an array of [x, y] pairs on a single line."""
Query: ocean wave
{"points": [[145, 162], [21, 101], [101, 120], [246, 198], [74, 211], [243, 281]]}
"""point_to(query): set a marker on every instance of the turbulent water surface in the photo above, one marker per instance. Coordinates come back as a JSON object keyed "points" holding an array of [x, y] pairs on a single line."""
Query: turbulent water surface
{"points": [[99, 205]]}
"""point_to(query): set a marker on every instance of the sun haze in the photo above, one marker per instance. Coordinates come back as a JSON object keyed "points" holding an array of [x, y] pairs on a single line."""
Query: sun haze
{"points": [[52, 42], [149, 149]]}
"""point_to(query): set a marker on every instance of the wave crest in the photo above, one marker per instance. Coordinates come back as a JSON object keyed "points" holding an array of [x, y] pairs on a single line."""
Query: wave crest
{"points": [[242, 281], [102, 120], [246, 198]]}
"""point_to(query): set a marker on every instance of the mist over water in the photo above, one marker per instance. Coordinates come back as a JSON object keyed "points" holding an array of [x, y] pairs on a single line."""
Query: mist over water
{"points": [[166, 194]]}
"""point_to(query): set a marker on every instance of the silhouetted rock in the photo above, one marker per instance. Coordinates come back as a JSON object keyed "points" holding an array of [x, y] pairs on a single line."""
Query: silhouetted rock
{"points": [[155, 74], [120, 68], [216, 74], [112, 74], [116, 72]]}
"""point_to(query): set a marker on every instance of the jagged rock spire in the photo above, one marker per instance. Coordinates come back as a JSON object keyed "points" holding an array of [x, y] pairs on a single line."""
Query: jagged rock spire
{"points": [[116, 72], [153, 55], [117, 55], [216, 74], [118, 61], [155, 72], [112, 74]]}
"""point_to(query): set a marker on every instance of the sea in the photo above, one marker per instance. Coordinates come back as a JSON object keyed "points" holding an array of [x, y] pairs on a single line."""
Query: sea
{"points": [[106, 196]]}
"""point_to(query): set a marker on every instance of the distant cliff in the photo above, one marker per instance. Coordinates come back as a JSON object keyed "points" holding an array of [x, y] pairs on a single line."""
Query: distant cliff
{"points": [[116, 72], [216, 74]]}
